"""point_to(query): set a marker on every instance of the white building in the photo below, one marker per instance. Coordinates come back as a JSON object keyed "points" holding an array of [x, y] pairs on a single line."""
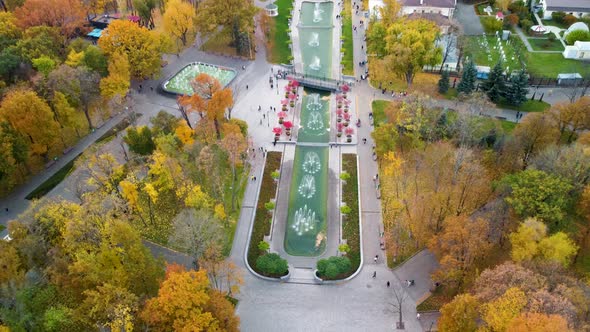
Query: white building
{"points": [[442, 7], [580, 51], [577, 8]]}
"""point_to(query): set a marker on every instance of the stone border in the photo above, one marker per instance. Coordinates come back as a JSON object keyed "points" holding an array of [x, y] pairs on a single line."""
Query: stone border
{"points": [[163, 88], [252, 220]]}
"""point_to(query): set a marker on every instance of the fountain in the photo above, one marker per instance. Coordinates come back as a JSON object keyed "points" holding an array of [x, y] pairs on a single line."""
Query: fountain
{"points": [[307, 186], [304, 220], [315, 63], [311, 163], [317, 13], [314, 41], [313, 103], [315, 122]]}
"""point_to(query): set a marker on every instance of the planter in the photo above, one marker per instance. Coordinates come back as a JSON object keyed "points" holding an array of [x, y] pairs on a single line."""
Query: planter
{"points": [[285, 109], [292, 104], [339, 135], [315, 276], [280, 120], [288, 133], [345, 124], [348, 140], [339, 119]]}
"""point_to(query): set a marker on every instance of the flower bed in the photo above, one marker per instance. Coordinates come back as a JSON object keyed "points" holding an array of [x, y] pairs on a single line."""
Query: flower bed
{"points": [[262, 220], [350, 225]]}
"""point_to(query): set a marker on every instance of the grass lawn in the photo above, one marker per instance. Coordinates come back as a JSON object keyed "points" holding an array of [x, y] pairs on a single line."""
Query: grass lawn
{"points": [[481, 6], [347, 46], [508, 126], [378, 107], [544, 44], [527, 106], [551, 64], [53, 181], [2, 227], [451, 94], [555, 24], [482, 55], [279, 38]]}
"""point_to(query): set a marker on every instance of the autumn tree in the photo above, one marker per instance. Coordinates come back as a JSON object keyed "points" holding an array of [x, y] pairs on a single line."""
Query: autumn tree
{"points": [[534, 134], [38, 41], [140, 140], [494, 282], [67, 15], [14, 153], [142, 47], [223, 273], [461, 242], [537, 322], [234, 143], [119, 79], [104, 171], [499, 313], [410, 46], [231, 13], [179, 20], [195, 231], [571, 118], [32, 118], [109, 306], [531, 241], [534, 193], [569, 162], [459, 315], [164, 123], [182, 303]]}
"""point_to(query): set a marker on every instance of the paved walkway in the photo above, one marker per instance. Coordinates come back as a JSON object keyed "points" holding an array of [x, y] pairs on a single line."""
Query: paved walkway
{"points": [[528, 45], [465, 14]]}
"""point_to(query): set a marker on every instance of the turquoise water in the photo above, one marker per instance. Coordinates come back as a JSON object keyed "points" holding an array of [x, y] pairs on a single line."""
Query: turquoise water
{"points": [[180, 83], [315, 38], [306, 226], [305, 234]]}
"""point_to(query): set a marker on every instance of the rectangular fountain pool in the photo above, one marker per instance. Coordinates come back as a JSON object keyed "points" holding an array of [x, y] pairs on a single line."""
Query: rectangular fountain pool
{"points": [[180, 83], [314, 117], [307, 220], [315, 38]]}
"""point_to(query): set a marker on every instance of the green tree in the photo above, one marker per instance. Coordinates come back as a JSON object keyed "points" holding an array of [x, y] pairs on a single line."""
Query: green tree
{"points": [[95, 59], [443, 83], [538, 194], [9, 61], [41, 41], [119, 79], [214, 13], [519, 88], [272, 265], [459, 315], [164, 123], [140, 140], [410, 47], [468, 78], [577, 35], [44, 65], [495, 86], [14, 151], [179, 20]]}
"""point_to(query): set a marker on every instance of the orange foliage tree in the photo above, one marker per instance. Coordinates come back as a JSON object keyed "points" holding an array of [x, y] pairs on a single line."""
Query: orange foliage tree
{"points": [[68, 15], [185, 302]]}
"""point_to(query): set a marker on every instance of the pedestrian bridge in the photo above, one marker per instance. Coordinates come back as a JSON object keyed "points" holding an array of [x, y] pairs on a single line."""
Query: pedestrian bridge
{"points": [[315, 82]]}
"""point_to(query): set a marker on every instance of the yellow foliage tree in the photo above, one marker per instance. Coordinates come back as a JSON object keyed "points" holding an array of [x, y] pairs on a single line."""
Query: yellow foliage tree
{"points": [[142, 47], [219, 212], [185, 134], [179, 20], [537, 322], [119, 79], [75, 58], [459, 315], [499, 313]]}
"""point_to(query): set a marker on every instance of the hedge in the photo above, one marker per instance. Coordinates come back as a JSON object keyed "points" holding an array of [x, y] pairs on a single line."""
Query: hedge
{"points": [[261, 222], [350, 225]]}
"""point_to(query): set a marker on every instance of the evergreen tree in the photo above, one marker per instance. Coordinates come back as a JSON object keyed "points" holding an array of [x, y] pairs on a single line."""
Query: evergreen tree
{"points": [[495, 86], [467, 84], [516, 95], [443, 83]]}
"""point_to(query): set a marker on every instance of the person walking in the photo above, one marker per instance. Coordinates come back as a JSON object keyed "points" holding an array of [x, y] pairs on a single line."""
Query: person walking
{"points": [[418, 316], [388, 284], [374, 274], [376, 258]]}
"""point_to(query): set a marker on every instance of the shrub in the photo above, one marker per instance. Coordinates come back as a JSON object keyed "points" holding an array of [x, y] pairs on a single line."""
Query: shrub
{"points": [[275, 174], [333, 267], [344, 248], [512, 19], [551, 37], [345, 209], [526, 25], [269, 206], [569, 20], [558, 16], [576, 35], [263, 245], [344, 176], [491, 24], [272, 265]]}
